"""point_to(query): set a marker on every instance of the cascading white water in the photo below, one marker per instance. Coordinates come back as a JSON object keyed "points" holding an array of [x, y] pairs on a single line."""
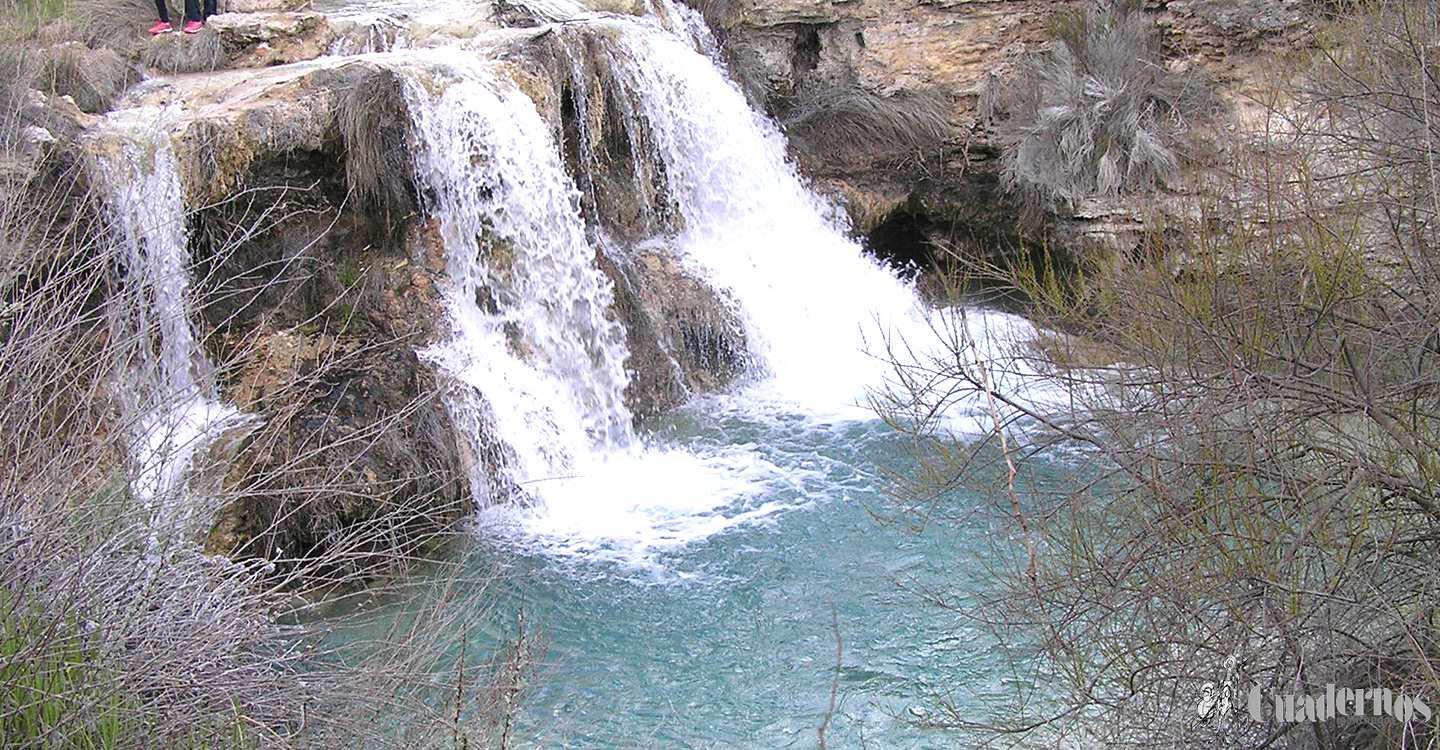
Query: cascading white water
{"points": [[751, 226], [367, 33], [533, 341], [689, 25], [170, 400], [820, 313], [537, 361]]}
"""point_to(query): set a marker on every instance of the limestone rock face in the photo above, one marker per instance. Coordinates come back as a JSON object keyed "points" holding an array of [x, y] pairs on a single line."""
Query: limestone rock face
{"points": [[242, 40], [261, 6], [626, 7], [318, 290], [684, 336], [797, 58], [255, 40], [312, 304]]}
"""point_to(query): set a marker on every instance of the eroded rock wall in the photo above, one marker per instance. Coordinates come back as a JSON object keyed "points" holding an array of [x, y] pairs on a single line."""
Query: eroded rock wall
{"points": [[837, 72], [319, 277]]}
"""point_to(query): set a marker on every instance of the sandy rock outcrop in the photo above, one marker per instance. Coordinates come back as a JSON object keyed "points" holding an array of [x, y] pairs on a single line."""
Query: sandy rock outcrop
{"points": [[833, 71], [242, 40]]}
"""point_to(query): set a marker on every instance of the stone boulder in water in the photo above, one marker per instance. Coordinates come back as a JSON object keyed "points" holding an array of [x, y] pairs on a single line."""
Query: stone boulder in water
{"points": [[684, 336]]}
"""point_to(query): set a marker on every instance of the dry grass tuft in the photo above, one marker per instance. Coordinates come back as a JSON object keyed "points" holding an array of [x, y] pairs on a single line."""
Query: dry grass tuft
{"points": [[94, 78], [184, 53], [1097, 114], [827, 119], [374, 121]]}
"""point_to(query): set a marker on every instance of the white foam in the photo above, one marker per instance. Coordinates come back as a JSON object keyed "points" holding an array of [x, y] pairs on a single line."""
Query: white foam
{"points": [[540, 366], [634, 507]]}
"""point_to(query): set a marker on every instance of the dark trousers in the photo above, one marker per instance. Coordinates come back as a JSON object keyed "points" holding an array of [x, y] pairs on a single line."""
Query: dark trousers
{"points": [[193, 11]]}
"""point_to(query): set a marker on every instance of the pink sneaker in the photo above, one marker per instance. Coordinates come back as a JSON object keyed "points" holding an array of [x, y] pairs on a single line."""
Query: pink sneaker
{"points": [[192, 27], [161, 27]]}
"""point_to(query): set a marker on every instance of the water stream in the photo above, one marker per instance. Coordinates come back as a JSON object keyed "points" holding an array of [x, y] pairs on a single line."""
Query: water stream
{"points": [[169, 397], [691, 578]]}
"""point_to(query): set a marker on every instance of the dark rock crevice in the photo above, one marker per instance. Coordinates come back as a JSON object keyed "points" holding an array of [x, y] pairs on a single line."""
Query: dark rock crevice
{"points": [[314, 306]]}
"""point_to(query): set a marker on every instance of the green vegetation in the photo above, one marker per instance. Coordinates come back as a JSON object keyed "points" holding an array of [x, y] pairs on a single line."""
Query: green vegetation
{"points": [[26, 17]]}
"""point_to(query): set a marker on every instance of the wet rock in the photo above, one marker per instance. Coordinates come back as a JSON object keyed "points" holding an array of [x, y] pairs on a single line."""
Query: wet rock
{"points": [[320, 277], [315, 323], [684, 336]]}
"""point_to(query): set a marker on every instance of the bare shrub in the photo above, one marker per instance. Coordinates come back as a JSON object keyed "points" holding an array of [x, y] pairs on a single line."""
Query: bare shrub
{"points": [[1098, 113], [116, 634], [1250, 439]]}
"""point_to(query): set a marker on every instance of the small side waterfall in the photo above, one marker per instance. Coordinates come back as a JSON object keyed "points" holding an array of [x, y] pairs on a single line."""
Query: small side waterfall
{"points": [[170, 400], [542, 361]]}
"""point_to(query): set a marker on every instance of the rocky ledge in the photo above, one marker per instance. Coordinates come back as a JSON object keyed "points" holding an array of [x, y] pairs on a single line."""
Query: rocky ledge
{"points": [[318, 274], [880, 99]]}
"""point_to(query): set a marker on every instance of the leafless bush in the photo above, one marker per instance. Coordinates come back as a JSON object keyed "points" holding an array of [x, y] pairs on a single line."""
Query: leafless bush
{"points": [[1250, 441], [1098, 113], [116, 633]]}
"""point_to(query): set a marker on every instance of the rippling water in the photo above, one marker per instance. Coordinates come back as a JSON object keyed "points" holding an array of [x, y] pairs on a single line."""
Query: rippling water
{"points": [[712, 627]]}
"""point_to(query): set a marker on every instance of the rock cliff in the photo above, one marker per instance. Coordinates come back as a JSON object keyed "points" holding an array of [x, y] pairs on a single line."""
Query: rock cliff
{"points": [[901, 79], [319, 267], [318, 271]]}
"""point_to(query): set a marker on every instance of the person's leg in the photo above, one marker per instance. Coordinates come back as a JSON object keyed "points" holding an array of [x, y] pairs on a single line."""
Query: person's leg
{"points": [[163, 25], [211, 8], [192, 11]]}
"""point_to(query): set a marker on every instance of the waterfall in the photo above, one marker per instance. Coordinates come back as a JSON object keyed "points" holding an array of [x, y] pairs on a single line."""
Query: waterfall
{"points": [[169, 399], [536, 361], [750, 225], [824, 319], [540, 360], [689, 25]]}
